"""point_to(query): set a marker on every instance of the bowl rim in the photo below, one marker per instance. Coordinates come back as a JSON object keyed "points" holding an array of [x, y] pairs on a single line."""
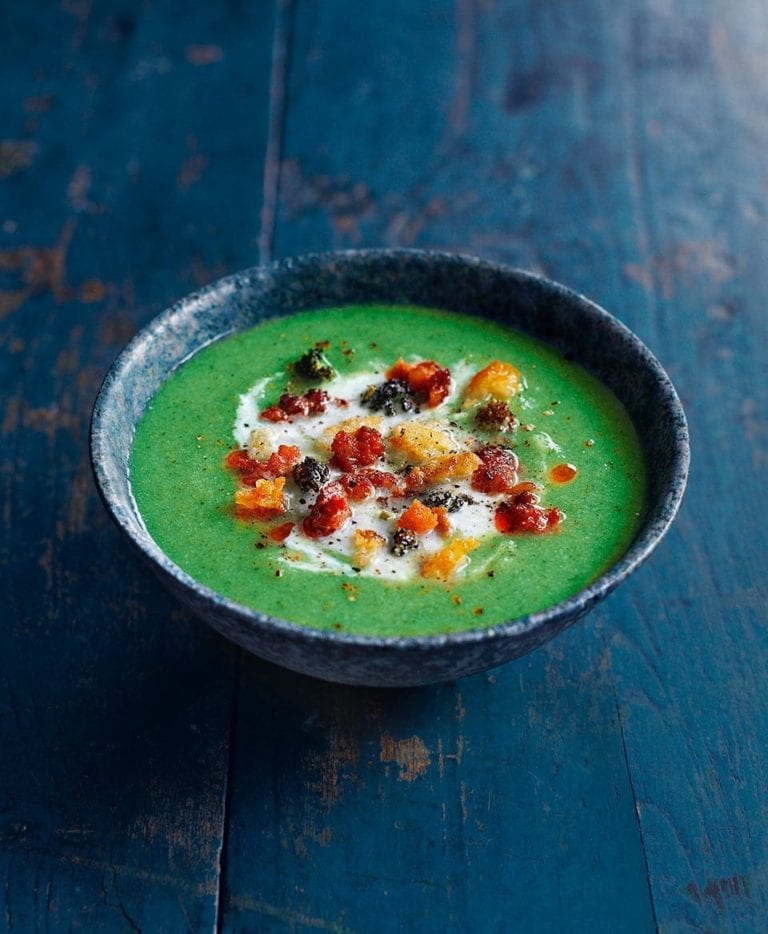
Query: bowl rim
{"points": [[652, 532]]}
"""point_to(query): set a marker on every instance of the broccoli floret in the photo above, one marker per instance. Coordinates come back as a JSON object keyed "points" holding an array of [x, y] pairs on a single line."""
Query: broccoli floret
{"points": [[383, 398], [314, 366]]}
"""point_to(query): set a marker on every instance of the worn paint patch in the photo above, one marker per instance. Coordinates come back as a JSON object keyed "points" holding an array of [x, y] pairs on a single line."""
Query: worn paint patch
{"points": [[752, 419], [16, 155], [411, 755], [639, 273], [92, 290], [77, 190], [115, 331], [684, 264], [466, 50], [11, 300], [287, 918], [37, 104], [39, 269], [718, 890], [322, 838], [442, 756], [347, 203], [191, 171], [204, 54], [335, 764], [407, 222]]}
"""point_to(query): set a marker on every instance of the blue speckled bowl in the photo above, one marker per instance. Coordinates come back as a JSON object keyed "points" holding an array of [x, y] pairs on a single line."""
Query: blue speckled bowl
{"points": [[576, 326]]}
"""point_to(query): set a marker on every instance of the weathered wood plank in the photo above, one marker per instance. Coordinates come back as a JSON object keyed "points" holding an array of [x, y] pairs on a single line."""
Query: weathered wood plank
{"points": [[617, 147], [493, 804], [503, 802], [131, 164], [690, 657]]}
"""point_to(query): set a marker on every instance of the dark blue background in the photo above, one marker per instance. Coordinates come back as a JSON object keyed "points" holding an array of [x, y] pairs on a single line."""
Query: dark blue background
{"points": [[152, 777]]}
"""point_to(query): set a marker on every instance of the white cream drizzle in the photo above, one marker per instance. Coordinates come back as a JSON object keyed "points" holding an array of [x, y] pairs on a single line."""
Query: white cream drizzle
{"points": [[334, 553]]}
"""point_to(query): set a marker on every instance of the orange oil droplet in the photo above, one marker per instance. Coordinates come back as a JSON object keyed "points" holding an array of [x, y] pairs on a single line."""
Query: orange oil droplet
{"points": [[562, 473]]}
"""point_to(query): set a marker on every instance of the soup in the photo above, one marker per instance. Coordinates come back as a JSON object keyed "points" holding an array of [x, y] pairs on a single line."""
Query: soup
{"points": [[388, 470]]}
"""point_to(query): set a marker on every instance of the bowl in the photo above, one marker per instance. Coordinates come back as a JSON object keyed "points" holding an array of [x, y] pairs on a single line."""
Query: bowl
{"points": [[560, 317]]}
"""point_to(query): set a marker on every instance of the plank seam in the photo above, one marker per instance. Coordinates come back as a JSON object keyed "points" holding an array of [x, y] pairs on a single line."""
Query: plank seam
{"points": [[221, 882], [634, 803], [639, 188], [276, 120]]}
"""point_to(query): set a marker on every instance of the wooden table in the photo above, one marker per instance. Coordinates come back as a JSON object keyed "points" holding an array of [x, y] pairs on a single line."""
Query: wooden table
{"points": [[154, 778]]}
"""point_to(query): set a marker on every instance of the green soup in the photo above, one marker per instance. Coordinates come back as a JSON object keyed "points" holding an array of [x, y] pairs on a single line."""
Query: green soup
{"points": [[184, 492]]}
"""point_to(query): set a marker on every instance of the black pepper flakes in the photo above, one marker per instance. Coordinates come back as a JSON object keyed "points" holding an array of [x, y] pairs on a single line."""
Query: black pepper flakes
{"points": [[437, 498], [403, 541], [453, 501], [460, 500], [310, 475]]}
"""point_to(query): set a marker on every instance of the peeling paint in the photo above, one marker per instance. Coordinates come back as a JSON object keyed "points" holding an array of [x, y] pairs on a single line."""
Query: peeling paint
{"points": [[68, 358], [40, 269], [38, 103], [46, 563], [115, 331], [11, 300], [454, 756], [49, 419], [191, 171], [685, 263], [92, 290], [347, 203], [204, 54], [752, 419], [16, 155], [77, 190], [466, 42], [718, 890], [463, 800], [322, 838], [287, 917], [637, 272], [334, 765], [411, 756]]}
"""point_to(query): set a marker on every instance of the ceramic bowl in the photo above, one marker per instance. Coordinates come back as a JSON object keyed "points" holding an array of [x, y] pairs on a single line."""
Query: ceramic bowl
{"points": [[562, 318]]}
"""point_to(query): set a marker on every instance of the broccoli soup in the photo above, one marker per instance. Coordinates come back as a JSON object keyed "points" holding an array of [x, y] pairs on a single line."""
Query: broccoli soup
{"points": [[388, 470]]}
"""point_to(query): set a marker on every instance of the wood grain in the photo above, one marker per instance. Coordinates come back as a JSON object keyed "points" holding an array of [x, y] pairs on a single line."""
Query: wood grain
{"points": [[440, 807], [614, 148], [115, 707], [152, 778]]}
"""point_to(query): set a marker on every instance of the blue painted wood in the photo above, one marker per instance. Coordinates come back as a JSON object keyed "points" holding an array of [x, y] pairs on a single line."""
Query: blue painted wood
{"points": [[152, 778], [124, 184], [564, 139], [488, 804], [690, 658], [424, 810]]}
